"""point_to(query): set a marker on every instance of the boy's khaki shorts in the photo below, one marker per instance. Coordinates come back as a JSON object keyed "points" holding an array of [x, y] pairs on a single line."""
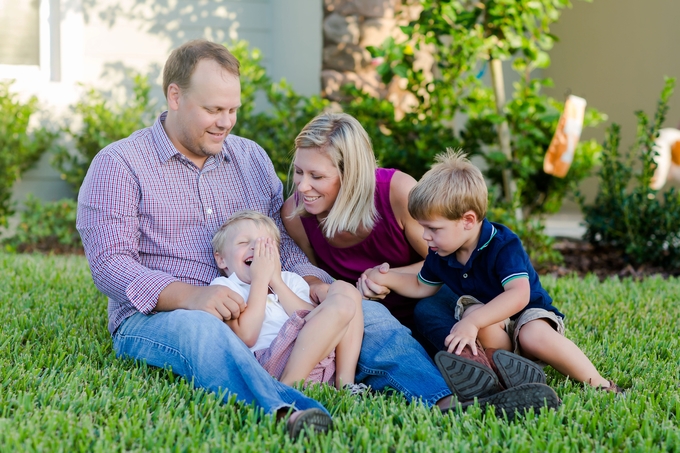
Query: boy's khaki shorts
{"points": [[513, 327]]}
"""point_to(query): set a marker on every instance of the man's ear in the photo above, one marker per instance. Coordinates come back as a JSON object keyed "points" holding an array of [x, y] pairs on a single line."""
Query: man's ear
{"points": [[173, 95]]}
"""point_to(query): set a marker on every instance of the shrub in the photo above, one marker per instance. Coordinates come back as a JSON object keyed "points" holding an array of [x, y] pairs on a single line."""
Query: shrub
{"points": [[103, 122], [463, 37], [19, 147], [274, 125], [635, 219], [46, 227]]}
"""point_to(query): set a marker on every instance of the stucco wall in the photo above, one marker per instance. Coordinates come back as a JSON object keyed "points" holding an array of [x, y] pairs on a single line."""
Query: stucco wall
{"points": [[615, 53], [100, 39]]}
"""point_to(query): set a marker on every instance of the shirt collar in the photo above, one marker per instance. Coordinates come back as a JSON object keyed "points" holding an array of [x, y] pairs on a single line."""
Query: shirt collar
{"points": [[488, 232], [165, 148]]}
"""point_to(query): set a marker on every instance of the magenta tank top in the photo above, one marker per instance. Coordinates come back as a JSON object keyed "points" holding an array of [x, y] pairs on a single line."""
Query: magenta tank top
{"points": [[386, 243]]}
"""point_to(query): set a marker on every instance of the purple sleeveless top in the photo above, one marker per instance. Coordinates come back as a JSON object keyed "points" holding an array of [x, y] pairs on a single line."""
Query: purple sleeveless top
{"points": [[386, 243]]}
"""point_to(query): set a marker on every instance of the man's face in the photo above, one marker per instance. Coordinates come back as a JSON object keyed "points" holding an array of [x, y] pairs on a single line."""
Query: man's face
{"points": [[205, 112]]}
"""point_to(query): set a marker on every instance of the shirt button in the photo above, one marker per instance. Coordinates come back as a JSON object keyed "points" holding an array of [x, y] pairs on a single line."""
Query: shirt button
{"points": [[464, 275], [208, 211]]}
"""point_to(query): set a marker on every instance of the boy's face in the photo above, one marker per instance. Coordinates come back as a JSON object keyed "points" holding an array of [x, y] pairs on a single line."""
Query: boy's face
{"points": [[446, 236], [237, 252]]}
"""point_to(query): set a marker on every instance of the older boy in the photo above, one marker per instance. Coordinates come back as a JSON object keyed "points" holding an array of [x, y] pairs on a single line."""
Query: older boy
{"points": [[487, 262]]}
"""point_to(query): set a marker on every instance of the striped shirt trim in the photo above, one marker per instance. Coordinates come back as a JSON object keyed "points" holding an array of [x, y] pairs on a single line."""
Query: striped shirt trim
{"points": [[493, 233], [428, 282], [512, 277]]}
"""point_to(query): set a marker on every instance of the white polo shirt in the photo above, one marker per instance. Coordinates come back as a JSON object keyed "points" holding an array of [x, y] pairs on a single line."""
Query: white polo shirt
{"points": [[275, 315]]}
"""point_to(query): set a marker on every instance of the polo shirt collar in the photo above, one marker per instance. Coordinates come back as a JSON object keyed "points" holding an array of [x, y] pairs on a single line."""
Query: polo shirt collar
{"points": [[488, 232], [166, 150]]}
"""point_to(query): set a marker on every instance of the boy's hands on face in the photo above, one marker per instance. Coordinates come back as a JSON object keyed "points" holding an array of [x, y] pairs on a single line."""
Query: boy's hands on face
{"points": [[463, 333], [266, 262]]}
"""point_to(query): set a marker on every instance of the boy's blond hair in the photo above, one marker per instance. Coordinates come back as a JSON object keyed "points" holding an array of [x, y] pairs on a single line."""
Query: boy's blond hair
{"points": [[345, 141], [452, 187], [220, 236]]}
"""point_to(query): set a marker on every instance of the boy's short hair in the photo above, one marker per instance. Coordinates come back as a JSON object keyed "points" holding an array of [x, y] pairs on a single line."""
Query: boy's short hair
{"points": [[449, 189], [260, 219]]}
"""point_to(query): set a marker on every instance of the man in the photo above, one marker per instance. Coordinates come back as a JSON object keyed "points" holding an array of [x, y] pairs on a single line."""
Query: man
{"points": [[146, 212]]}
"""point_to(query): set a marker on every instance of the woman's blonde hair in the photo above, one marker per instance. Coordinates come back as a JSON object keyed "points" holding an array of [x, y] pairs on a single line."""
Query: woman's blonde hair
{"points": [[452, 187], [347, 144]]}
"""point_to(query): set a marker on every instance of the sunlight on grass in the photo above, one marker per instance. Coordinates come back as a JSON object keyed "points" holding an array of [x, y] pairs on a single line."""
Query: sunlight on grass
{"points": [[64, 390]]}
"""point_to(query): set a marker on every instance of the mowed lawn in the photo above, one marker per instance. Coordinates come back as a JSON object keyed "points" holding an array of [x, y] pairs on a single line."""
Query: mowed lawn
{"points": [[62, 389]]}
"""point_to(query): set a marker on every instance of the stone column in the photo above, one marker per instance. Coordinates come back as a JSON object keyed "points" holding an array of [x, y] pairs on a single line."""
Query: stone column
{"points": [[349, 27]]}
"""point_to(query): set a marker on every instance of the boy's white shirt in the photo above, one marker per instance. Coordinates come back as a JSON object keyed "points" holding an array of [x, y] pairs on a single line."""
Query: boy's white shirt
{"points": [[275, 315]]}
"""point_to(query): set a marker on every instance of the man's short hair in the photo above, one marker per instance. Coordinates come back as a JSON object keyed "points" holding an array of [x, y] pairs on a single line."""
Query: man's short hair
{"points": [[452, 187], [183, 60], [220, 236]]}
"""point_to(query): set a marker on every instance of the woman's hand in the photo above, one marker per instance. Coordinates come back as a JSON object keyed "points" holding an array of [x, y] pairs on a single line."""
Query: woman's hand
{"points": [[368, 284]]}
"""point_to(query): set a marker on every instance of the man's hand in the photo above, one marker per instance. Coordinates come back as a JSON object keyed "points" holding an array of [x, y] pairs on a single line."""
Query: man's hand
{"points": [[218, 300], [463, 333], [368, 284]]}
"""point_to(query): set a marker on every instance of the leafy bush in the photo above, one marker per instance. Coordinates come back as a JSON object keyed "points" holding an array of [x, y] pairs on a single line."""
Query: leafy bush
{"points": [[636, 219], [19, 148], [103, 122], [275, 125], [463, 37], [46, 227]]}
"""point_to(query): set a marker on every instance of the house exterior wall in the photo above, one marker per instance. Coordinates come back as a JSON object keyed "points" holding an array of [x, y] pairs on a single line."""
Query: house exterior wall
{"points": [[95, 42], [615, 53]]}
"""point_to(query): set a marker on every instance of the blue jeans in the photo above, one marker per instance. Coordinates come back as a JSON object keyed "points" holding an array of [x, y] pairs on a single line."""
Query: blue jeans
{"points": [[202, 349], [434, 317]]}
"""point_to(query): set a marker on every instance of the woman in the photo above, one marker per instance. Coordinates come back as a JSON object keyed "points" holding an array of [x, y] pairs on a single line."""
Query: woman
{"points": [[347, 215]]}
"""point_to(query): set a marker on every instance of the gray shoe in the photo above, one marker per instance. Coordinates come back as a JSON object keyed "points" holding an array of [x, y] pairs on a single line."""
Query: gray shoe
{"points": [[311, 419], [466, 378], [515, 370], [517, 400]]}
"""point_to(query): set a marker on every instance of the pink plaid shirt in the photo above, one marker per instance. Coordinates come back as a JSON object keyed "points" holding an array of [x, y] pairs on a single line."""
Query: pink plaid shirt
{"points": [[146, 215]]}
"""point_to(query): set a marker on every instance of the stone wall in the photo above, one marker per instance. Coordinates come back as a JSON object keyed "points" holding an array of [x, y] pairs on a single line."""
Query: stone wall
{"points": [[349, 27]]}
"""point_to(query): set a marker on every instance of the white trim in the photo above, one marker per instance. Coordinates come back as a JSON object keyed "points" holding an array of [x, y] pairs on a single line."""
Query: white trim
{"points": [[48, 31]]}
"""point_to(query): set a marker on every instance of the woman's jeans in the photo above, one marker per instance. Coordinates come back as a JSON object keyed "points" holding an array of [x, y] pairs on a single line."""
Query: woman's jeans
{"points": [[204, 350]]}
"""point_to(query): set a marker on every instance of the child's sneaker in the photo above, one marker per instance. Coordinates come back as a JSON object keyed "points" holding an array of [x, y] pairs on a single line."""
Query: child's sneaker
{"points": [[356, 389], [613, 388]]}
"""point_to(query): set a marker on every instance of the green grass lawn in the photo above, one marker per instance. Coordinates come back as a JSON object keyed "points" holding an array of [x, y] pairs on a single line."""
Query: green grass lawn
{"points": [[62, 389]]}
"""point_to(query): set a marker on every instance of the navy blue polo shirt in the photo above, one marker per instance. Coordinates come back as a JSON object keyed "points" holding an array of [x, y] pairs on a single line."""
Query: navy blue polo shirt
{"points": [[498, 259]]}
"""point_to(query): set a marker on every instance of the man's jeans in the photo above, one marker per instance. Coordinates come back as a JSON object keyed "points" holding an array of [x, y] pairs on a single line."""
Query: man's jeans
{"points": [[434, 317], [201, 348]]}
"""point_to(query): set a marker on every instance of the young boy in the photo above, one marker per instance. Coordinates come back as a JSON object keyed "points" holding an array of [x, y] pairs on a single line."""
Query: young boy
{"points": [[293, 340], [487, 262]]}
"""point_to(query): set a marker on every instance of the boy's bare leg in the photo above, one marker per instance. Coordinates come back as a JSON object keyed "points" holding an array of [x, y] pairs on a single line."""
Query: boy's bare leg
{"points": [[540, 341], [493, 336], [324, 328], [347, 351]]}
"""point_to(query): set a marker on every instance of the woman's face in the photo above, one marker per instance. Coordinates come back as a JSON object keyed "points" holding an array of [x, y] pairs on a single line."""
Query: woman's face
{"points": [[317, 180]]}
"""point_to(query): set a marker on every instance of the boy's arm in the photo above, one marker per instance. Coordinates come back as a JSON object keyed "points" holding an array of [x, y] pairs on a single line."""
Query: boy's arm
{"points": [[264, 266], [511, 301], [248, 326], [405, 283], [290, 301]]}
